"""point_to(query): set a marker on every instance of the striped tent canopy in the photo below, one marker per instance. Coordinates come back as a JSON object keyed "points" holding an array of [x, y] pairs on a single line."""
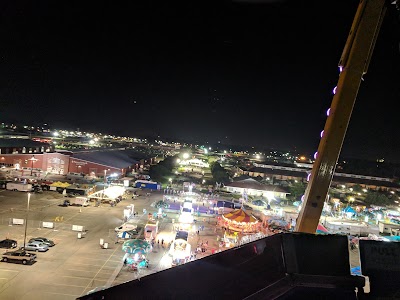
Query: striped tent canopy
{"points": [[239, 216]]}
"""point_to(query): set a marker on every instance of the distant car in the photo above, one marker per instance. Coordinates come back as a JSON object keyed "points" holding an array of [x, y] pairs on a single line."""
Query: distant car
{"points": [[7, 243], [259, 203], [36, 246], [182, 235], [37, 189], [245, 206], [126, 227], [395, 221], [48, 242]]}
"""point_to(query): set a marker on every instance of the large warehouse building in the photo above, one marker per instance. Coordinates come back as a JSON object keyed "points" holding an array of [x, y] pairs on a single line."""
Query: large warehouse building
{"points": [[28, 155]]}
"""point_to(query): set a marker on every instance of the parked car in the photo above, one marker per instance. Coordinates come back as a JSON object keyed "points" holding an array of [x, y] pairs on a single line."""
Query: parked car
{"points": [[259, 203], [43, 240], [37, 189], [246, 207], [182, 235], [395, 221], [19, 255], [36, 246], [126, 227], [7, 243]]}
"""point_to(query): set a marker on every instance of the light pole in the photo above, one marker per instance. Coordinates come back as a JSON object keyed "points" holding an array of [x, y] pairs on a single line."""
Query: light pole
{"points": [[26, 219], [32, 159], [104, 186]]}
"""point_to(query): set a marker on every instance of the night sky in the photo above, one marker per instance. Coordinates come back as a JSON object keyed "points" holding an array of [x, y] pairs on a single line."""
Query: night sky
{"points": [[256, 73]]}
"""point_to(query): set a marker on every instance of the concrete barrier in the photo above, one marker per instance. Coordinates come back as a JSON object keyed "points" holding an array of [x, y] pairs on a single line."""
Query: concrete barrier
{"points": [[48, 225]]}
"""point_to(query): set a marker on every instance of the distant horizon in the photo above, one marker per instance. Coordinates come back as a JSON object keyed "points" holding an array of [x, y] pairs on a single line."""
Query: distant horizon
{"points": [[256, 73], [220, 146]]}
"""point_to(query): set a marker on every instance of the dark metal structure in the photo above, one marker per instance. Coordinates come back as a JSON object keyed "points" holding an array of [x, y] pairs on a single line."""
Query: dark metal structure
{"points": [[283, 266]]}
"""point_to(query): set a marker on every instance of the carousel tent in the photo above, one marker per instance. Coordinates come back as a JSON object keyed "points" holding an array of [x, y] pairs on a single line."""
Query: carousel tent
{"points": [[239, 216]]}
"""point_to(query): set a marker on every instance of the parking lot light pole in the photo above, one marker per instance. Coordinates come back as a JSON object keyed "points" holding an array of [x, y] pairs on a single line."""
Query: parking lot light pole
{"points": [[32, 159], [26, 219]]}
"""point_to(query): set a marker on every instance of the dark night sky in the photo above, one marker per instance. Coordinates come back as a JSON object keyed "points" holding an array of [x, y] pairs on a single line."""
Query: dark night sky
{"points": [[257, 73]]}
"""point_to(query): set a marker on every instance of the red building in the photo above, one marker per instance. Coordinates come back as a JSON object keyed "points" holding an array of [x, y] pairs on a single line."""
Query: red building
{"points": [[41, 156]]}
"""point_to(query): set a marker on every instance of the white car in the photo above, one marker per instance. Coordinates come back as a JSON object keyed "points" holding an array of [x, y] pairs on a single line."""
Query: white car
{"points": [[125, 227]]}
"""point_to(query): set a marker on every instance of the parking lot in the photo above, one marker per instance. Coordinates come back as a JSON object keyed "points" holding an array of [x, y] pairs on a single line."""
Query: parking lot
{"points": [[74, 265]]}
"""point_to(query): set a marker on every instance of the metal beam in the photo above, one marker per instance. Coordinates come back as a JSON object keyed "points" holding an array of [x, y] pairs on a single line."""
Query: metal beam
{"points": [[353, 63]]}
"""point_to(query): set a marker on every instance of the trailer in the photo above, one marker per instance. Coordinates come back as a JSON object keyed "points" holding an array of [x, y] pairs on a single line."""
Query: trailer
{"points": [[74, 190], [22, 187], [81, 201], [145, 184]]}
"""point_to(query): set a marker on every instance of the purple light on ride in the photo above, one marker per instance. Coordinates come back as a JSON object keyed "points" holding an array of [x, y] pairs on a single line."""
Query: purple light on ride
{"points": [[308, 177], [322, 134], [340, 69], [315, 155], [334, 90], [328, 111], [302, 198]]}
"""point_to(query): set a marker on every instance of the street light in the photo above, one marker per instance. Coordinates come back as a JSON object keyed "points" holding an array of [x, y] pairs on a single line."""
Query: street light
{"points": [[32, 159], [26, 219]]}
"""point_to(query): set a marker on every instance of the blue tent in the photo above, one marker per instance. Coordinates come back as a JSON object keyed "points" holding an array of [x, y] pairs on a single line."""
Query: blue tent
{"points": [[349, 209]]}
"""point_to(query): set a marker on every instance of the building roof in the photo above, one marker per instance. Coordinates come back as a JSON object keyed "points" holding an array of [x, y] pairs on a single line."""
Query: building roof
{"points": [[336, 178], [387, 184], [255, 185], [300, 174], [20, 143], [115, 158]]}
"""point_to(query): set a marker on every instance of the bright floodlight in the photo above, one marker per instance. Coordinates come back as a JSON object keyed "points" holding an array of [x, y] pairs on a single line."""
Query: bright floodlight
{"points": [[170, 179], [91, 142], [178, 160], [258, 156], [55, 133], [185, 155]]}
